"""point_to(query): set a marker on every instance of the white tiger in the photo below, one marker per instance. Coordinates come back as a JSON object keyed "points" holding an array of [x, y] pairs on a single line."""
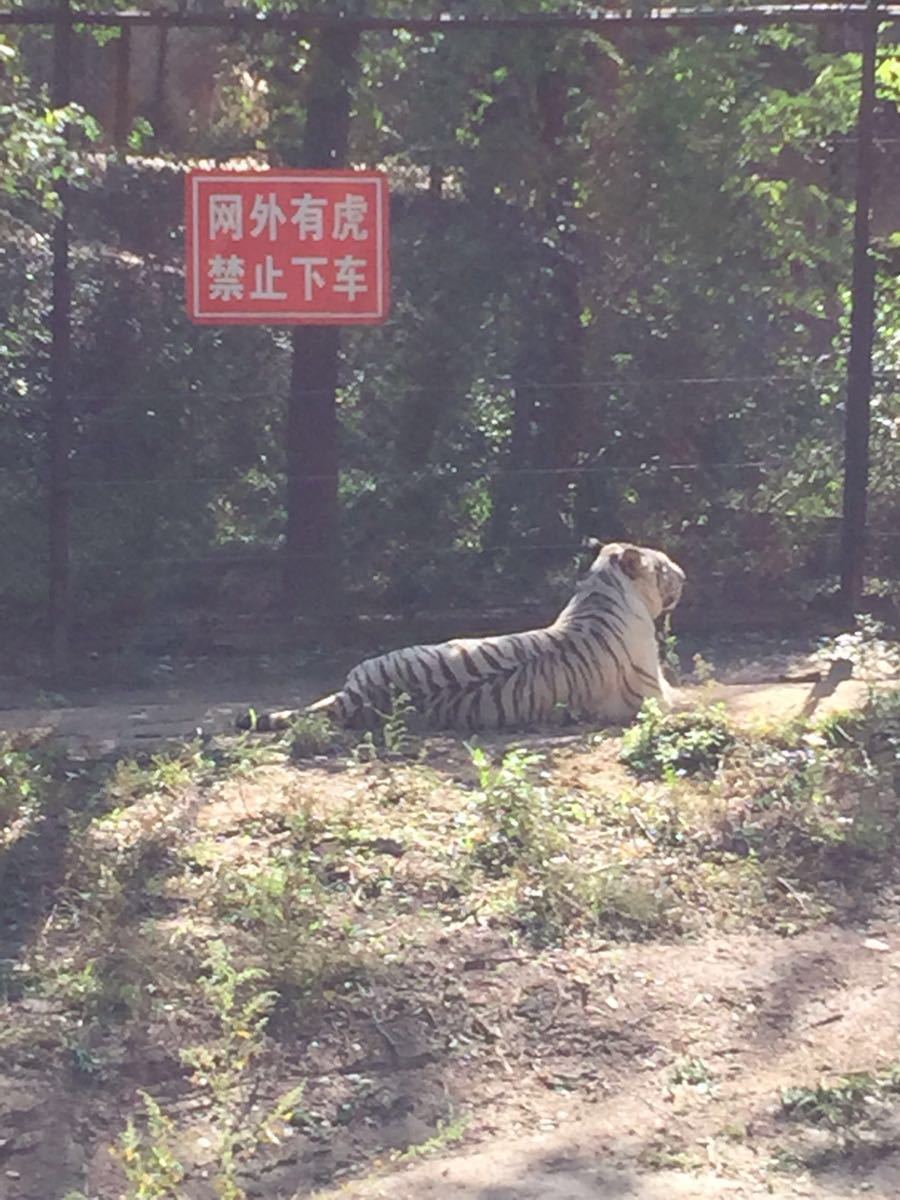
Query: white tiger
{"points": [[598, 661]]}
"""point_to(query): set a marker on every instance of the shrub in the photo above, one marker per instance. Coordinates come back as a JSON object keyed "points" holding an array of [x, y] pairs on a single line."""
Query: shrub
{"points": [[661, 744]]}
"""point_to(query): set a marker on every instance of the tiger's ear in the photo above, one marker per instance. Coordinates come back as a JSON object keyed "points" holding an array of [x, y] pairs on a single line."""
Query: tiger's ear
{"points": [[631, 561], [592, 543]]}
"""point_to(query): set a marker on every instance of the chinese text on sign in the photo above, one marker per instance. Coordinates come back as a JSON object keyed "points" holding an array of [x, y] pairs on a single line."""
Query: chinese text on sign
{"points": [[287, 247]]}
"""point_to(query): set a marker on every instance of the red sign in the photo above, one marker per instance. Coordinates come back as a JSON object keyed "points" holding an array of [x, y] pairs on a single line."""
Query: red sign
{"points": [[287, 247]]}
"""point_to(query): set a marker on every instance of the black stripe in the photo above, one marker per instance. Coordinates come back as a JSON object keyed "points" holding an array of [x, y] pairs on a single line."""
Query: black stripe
{"points": [[448, 674], [492, 662], [497, 696], [569, 676], [430, 683], [409, 679], [518, 648], [618, 637], [469, 663]]}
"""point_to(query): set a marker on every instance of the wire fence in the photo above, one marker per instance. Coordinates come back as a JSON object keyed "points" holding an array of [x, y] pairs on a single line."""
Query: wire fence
{"points": [[522, 396]]}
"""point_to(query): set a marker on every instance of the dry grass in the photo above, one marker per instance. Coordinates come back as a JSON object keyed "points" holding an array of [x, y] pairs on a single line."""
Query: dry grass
{"points": [[359, 890]]}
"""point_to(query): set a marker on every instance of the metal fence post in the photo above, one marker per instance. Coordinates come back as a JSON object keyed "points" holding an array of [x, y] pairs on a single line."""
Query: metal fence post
{"points": [[60, 415], [862, 332], [122, 117]]}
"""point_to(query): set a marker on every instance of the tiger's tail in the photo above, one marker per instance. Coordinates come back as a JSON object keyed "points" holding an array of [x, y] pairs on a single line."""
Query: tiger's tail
{"points": [[270, 722]]}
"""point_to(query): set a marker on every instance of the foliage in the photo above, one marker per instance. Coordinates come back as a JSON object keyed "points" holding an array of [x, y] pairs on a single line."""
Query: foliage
{"points": [[162, 772], [692, 1072], [36, 139], [222, 1068], [449, 1132], [822, 798], [241, 755], [524, 831], [283, 905], [868, 647], [610, 263], [23, 779], [151, 1167], [312, 734], [517, 813], [676, 744], [875, 728], [840, 1103], [230, 910], [392, 737]]}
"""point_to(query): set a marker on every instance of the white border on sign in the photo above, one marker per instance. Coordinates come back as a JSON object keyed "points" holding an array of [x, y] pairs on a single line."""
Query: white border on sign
{"points": [[273, 315], [196, 246]]}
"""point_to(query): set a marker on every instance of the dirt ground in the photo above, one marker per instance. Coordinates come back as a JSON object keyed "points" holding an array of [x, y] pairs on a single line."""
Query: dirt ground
{"points": [[474, 1066], [760, 1011], [103, 718]]}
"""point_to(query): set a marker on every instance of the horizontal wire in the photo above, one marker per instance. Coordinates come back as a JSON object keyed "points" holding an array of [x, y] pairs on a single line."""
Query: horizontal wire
{"points": [[420, 474], [278, 558], [348, 393], [502, 386], [597, 19]]}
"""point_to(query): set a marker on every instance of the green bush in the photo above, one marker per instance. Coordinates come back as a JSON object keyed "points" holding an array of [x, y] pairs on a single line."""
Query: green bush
{"points": [[661, 744], [22, 780], [876, 727]]}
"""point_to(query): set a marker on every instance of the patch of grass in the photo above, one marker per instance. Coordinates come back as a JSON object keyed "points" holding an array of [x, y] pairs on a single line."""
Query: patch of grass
{"points": [[846, 1101], [239, 757], [873, 729], [661, 745], [312, 735], [735, 888], [525, 832], [868, 647], [449, 1133], [703, 671], [814, 810], [116, 872], [393, 736], [693, 1073], [515, 835], [150, 1163], [169, 773], [111, 977], [223, 1071], [24, 777], [658, 813], [516, 812], [630, 901], [665, 1155], [404, 784], [283, 905], [87, 1065], [786, 1161]]}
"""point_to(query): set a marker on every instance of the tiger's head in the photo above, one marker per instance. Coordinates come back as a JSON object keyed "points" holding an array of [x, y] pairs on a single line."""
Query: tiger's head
{"points": [[658, 580]]}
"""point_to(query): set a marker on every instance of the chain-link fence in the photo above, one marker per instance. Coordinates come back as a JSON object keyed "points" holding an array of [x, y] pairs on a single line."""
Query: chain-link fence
{"points": [[622, 289]]}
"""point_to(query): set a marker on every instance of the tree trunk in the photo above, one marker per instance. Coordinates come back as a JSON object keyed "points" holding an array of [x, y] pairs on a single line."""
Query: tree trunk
{"points": [[60, 425], [311, 552], [559, 404]]}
